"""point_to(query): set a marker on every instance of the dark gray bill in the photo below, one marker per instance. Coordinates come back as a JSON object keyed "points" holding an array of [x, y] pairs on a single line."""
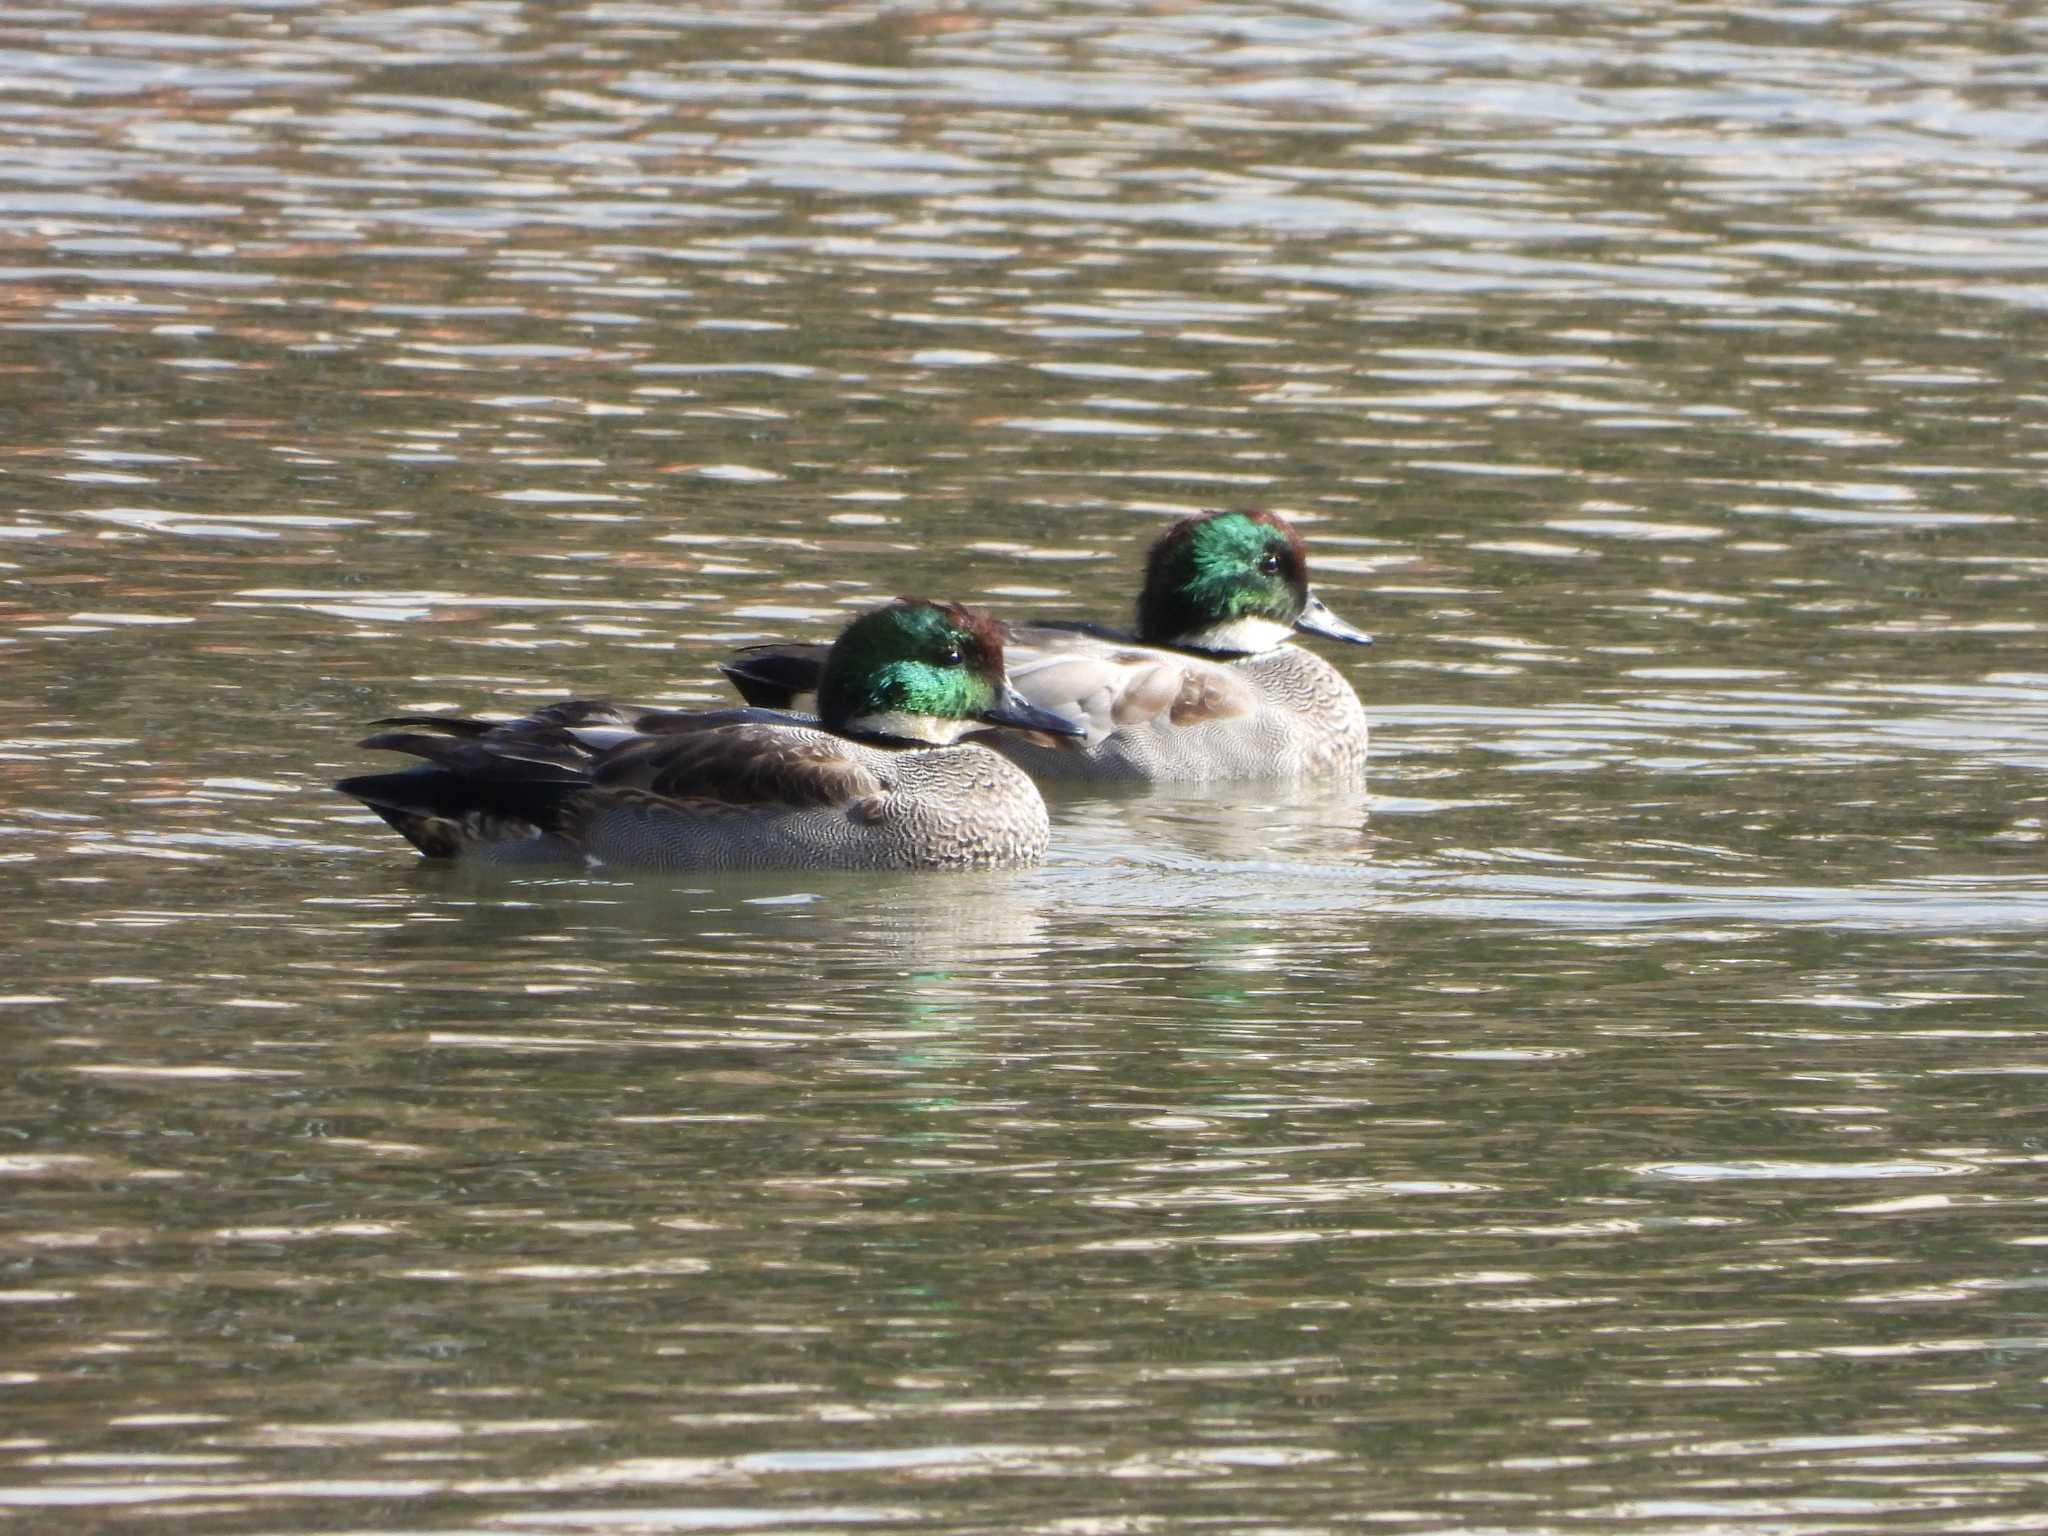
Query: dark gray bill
{"points": [[1317, 620], [1019, 713]]}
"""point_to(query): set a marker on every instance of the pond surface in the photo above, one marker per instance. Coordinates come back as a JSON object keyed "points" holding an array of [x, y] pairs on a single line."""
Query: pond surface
{"points": [[1628, 1117]]}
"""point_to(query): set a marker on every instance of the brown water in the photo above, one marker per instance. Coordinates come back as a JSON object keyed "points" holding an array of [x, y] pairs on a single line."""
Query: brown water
{"points": [[1628, 1119]]}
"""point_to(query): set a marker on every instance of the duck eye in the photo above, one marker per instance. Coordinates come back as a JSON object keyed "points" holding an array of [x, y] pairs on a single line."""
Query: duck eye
{"points": [[1268, 563], [951, 658]]}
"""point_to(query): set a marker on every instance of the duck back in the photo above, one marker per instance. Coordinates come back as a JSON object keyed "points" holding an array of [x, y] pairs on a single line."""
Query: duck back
{"points": [[1282, 714]]}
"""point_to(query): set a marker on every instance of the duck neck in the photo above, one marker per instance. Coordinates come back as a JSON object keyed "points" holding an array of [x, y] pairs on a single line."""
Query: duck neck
{"points": [[901, 728], [1246, 636]]}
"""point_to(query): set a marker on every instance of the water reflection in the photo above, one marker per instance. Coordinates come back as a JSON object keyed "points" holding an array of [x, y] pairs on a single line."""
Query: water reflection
{"points": [[1621, 1116]]}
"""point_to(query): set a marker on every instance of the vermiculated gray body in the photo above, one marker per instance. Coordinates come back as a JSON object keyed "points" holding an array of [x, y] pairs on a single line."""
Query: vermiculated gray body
{"points": [[958, 807]]}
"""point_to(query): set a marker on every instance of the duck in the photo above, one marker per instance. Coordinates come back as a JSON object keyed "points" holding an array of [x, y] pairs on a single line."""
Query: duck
{"points": [[1207, 688], [881, 779]]}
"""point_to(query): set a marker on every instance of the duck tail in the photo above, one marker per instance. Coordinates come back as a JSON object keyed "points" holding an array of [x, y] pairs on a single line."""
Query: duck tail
{"points": [[777, 676], [468, 794]]}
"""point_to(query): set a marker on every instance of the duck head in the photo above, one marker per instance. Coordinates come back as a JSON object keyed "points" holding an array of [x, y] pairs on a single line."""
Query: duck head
{"points": [[1233, 583], [924, 672]]}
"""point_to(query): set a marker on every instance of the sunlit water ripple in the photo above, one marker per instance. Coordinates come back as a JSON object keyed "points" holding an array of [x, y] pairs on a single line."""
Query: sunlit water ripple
{"points": [[1623, 1115]]}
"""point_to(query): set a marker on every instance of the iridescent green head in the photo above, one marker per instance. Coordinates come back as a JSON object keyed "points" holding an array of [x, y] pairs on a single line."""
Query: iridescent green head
{"points": [[1232, 582], [921, 671]]}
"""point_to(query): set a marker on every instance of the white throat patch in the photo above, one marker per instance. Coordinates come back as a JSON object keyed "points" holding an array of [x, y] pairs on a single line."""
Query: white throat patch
{"points": [[1251, 634], [933, 730]]}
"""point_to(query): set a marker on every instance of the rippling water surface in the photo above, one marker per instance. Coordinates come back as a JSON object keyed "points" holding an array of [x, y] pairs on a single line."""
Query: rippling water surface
{"points": [[1628, 1117]]}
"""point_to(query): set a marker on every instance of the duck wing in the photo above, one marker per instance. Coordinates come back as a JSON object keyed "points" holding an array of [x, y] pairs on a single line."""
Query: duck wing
{"points": [[496, 781], [1104, 684], [741, 758]]}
